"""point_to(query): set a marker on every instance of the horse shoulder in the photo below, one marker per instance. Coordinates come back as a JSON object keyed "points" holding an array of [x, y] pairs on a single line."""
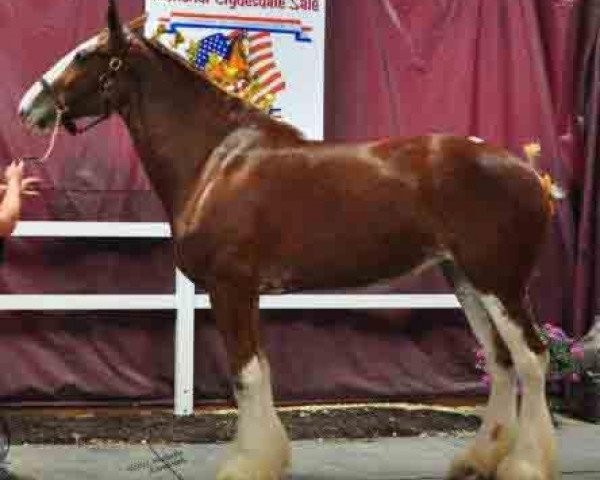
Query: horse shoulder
{"points": [[210, 182]]}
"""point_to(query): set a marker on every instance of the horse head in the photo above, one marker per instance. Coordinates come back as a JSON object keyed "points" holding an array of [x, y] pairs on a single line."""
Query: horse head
{"points": [[90, 81]]}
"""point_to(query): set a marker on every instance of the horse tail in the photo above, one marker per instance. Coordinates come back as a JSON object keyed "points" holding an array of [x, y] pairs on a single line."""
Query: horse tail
{"points": [[552, 191]]}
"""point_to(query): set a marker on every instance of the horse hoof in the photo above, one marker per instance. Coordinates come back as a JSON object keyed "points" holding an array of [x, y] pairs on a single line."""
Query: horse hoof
{"points": [[481, 459], [467, 472], [474, 464], [245, 467], [519, 470], [528, 467]]}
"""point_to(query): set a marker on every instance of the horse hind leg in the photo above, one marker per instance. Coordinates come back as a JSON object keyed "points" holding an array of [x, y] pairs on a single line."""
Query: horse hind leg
{"points": [[533, 456], [261, 448], [495, 437]]}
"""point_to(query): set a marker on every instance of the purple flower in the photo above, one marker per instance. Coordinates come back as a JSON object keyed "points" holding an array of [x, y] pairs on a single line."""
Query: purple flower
{"points": [[554, 332]]}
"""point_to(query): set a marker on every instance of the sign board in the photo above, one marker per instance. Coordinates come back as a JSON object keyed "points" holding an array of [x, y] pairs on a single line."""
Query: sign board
{"points": [[269, 52]]}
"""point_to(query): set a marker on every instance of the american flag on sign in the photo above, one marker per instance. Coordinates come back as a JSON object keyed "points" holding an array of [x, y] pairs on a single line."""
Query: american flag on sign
{"points": [[218, 43], [258, 57], [262, 65]]}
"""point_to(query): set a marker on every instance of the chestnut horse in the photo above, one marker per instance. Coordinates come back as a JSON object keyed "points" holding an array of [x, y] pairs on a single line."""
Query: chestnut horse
{"points": [[254, 207]]}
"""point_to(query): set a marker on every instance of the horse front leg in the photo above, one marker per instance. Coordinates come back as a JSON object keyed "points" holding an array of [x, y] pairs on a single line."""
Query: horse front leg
{"points": [[261, 449]]}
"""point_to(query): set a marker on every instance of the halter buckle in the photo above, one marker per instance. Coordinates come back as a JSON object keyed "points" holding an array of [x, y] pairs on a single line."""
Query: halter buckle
{"points": [[115, 64]]}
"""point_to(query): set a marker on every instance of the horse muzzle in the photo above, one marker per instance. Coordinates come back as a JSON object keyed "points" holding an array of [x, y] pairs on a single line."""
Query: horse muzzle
{"points": [[37, 110]]}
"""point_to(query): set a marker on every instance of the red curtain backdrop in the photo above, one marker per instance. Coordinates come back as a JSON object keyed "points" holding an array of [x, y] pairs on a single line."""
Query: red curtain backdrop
{"points": [[587, 187], [498, 69]]}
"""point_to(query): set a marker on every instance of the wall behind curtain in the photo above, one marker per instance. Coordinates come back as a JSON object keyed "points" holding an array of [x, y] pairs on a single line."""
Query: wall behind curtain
{"points": [[491, 68]]}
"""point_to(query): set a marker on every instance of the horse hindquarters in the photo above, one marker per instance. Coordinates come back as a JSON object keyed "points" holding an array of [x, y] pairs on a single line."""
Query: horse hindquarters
{"points": [[492, 216], [499, 244], [494, 231]]}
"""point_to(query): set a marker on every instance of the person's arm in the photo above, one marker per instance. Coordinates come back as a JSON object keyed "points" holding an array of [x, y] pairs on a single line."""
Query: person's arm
{"points": [[10, 206]]}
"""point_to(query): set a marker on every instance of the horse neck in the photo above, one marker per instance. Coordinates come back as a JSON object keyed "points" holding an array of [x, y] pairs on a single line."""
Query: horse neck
{"points": [[176, 119]]}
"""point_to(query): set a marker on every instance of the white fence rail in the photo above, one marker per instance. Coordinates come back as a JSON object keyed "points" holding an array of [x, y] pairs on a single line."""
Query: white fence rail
{"points": [[184, 300]]}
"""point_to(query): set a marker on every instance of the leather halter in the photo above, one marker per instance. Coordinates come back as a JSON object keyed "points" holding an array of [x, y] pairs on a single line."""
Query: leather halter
{"points": [[105, 86]]}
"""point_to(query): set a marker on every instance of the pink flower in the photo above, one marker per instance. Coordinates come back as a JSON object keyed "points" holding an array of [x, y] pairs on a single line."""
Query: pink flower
{"points": [[575, 377], [486, 379], [576, 351]]}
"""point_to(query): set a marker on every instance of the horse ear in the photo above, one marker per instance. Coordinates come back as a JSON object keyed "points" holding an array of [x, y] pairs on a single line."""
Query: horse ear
{"points": [[115, 30]]}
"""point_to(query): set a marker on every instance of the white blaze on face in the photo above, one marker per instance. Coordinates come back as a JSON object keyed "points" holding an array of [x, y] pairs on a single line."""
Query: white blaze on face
{"points": [[33, 106]]}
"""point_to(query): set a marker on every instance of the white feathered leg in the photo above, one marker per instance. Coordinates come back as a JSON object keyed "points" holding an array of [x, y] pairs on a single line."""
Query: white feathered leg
{"points": [[261, 448], [533, 456], [495, 437]]}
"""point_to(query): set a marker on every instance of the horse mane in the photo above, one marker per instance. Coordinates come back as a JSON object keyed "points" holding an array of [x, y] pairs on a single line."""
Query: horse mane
{"points": [[136, 27], [162, 50]]}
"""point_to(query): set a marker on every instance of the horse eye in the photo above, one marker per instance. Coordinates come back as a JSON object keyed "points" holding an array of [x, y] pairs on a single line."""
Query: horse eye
{"points": [[79, 57]]}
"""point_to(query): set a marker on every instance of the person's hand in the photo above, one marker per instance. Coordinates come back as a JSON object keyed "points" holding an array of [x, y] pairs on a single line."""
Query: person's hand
{"points": [[29, 187], [14, 172]]}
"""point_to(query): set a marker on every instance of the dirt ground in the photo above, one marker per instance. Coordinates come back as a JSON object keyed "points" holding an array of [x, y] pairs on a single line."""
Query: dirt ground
{"points": [[321, 422]]}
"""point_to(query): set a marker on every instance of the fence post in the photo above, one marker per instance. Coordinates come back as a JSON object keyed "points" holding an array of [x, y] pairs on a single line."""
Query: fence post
{"points": [[184, 345]]}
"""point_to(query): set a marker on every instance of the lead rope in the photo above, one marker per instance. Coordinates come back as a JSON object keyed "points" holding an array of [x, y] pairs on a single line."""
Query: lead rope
{"points": [[52, 143]]}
